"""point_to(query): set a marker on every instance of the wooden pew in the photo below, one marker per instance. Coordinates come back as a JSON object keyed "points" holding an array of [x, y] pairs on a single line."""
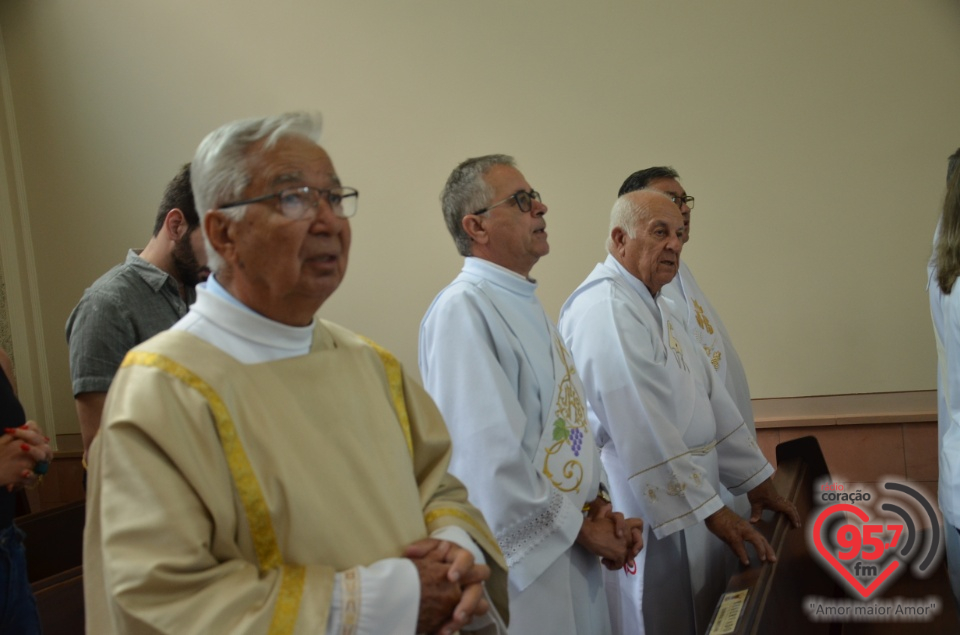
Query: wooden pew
{"points": [[60, 602], [54, 545], [775, 592], [54, 540]]}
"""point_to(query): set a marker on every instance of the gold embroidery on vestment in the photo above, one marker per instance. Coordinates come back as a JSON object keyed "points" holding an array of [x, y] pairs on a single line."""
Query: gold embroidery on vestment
{"points": [[702, 320], [248, 488], [571, 420], [288, 602], [395, 380], [675, 347], [675, 487], [713, 355], [350, 602]]}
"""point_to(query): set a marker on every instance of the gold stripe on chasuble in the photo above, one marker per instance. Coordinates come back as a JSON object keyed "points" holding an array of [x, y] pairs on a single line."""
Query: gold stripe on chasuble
{"points": [[395, 380], [251, 495]]}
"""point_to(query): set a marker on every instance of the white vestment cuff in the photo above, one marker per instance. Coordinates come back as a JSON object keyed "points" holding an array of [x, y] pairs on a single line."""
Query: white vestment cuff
{"points": [[382, 599]]}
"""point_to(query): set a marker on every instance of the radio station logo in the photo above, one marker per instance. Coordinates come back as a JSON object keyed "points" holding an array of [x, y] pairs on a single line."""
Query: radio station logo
{"points": [[867, 540]]}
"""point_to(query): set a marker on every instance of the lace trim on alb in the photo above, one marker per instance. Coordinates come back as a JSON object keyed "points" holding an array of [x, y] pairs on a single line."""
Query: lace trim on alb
{"points": [[525, 537]]}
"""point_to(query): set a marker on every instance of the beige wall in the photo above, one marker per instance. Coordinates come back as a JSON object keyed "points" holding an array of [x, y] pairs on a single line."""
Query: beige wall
{"points": [[813, 134]]}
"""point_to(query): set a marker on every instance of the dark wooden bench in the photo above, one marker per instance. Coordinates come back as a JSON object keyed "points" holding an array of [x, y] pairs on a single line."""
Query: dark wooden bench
{"points": [[60, 602], [54, 544], [775, 592]]}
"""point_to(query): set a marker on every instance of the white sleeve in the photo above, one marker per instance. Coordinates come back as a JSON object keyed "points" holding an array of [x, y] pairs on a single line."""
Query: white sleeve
{"points": [[463, 354], [389, 599], [741, 463], [390, 595], [631, 395]]}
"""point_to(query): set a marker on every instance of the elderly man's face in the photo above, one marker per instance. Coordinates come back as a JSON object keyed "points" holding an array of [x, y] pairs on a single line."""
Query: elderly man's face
{"points": [[653, 255], [282, 268], [672, 187], [513, 238]]}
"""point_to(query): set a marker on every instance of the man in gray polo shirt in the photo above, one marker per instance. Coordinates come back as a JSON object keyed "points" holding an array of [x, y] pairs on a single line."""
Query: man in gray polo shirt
{"points": [[134, 301]]}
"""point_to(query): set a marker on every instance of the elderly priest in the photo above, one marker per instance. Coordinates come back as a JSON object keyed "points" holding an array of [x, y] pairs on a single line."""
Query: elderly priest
{"points": [[260, 470], [670, 433]]}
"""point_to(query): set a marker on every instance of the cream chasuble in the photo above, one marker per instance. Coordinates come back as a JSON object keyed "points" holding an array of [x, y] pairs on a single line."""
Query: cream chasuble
{"points": [[224, 497], [512, 399], [670, 436]]}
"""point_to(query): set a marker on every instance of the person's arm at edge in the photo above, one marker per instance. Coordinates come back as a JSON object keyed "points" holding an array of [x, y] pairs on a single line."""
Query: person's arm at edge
{"points": [[89, 411]]}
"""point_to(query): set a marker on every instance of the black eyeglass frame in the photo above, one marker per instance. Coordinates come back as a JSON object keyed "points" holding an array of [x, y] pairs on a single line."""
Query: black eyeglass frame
{"points": [[530, 197], [322, 194], [679, 201]]}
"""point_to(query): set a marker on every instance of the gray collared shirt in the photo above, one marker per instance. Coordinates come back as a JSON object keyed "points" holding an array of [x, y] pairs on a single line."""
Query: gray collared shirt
{"points": [[125, 306]]}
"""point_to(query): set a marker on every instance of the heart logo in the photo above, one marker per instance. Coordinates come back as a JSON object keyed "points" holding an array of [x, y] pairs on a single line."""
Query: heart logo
{"points": [[855, 584]]}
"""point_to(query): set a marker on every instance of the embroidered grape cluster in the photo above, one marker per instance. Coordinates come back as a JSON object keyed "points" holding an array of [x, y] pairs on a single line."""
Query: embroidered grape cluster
{"points": [[576, 440]]}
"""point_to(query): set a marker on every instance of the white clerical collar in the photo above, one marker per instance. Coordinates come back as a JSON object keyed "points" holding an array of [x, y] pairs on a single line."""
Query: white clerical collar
{"points": [[246, 328], [213, 286], [632, 281], [498, 275]]}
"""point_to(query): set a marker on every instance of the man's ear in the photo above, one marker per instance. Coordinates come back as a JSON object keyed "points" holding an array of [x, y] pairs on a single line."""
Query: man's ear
{"points": [[619, 238], [176, 225], [473, 225], [218, 229]]}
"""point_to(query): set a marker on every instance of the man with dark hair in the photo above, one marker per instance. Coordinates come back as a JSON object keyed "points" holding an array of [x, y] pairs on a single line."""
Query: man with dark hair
{"points": [[134, 301]]}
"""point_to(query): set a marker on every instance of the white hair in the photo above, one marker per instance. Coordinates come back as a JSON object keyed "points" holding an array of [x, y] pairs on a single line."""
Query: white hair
{"points": [[220, 171], [627, 213]]}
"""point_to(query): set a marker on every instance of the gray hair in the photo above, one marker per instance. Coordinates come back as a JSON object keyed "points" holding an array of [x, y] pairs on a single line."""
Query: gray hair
{"points": [[220, 170], [627, 212], [465, 192]]}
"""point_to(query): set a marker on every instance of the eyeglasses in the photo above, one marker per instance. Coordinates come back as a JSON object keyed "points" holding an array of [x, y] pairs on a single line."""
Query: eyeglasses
{"points": [[299, 203], [680, 200], [524, 201]]}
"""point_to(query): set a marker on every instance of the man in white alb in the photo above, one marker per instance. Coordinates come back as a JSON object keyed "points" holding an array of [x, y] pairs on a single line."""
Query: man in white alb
{"points": [[689, 303], [509, 392], [669, 432]]}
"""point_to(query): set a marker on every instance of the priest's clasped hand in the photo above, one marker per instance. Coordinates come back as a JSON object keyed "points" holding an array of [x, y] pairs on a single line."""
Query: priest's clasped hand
{"points": [[451, 585], [607, 534]]}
